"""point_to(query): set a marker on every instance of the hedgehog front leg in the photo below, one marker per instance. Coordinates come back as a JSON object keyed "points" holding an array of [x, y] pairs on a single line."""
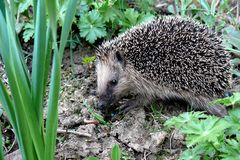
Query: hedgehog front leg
{"points": [[138, 101]]}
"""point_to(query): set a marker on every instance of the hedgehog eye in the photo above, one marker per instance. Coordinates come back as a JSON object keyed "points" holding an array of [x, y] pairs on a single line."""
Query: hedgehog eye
{"points": [[113, 82]]}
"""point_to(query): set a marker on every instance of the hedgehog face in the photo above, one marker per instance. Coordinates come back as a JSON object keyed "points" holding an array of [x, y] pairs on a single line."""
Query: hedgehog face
{"points": [[110, 78]]}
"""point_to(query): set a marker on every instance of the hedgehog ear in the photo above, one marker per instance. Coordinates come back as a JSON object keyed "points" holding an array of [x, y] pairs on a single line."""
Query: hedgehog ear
{"points": [[119, 57]]}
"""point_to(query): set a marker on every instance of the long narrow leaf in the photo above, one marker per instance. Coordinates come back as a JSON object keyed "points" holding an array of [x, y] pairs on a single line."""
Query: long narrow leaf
{"points": [[116, 152], [48, 51], [10, 62], [52, 116], [70, 13], [38, 62], [52, 13], [27, 121], [1, 144], [2, 8], [7, 105]]}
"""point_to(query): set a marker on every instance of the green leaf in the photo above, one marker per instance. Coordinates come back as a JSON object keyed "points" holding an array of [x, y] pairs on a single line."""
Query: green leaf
{"points": [[146, 18], [70, 13], [61, 11], [95, 115], [1, 144], [207, 130], [234, 118], [183, 119], [28, 31], [231, 150], [88, 60], [232, 36], [235, 61], [91, 26], [23, 6], [234, 99], [92, 158], [132, 17], [116, 152], [190, 154], [83, 8], [108, 11], [146, 6], [52, 115]]}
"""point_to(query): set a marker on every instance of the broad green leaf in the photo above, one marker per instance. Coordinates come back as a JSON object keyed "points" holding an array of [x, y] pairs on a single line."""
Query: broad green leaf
{"points": [[28, 31], [91, 26], [116, 152], [207, 130], [146, 6], [235, 61], [108, 11], [233, 36], [88, 60], [231, 150], [190, 154], [183, 119], [23, 6], [234, 99], [131, 16], [234, 118], [146, 18]]}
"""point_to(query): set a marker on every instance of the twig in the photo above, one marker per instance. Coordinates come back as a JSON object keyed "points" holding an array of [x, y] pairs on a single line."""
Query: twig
{"points": [[145, 155], [74, 132], [170, 140]]}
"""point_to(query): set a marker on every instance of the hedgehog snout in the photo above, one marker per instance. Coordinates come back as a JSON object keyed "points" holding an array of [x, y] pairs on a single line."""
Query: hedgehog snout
{"points": [[102, 106], [105, 102]]}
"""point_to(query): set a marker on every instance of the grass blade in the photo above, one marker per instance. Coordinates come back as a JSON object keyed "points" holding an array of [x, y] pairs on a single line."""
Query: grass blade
{"points": [[116, 152]]}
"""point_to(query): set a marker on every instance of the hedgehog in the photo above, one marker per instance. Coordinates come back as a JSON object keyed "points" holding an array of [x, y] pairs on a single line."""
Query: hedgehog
{"points": [[166, 58]]}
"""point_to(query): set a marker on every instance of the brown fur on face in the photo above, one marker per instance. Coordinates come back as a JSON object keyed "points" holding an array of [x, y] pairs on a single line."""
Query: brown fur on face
{"points": [[112, 81]]}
